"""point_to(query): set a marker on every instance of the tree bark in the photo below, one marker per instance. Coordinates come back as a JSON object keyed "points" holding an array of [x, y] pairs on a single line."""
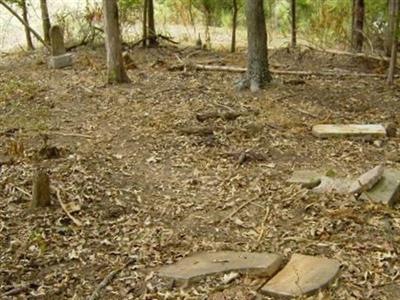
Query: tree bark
{"points": [[145, 9], [152, 27], [115, 66], [294, 23], [45, 20], [257, 60], [394, 19], [37, 36], [28, 36], [234, 25], [358, 25]]}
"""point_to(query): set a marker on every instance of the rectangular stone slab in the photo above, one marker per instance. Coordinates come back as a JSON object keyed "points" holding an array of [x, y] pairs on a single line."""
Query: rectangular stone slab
{"points": [[387, 190], [201, 265], [303, 275], [306, 178], [60, 61], [330, 130], [366, 181]]}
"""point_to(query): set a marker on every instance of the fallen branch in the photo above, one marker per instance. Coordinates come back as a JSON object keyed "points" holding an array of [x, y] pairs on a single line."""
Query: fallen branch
{"points": [[73, 219], [37, 35], [108, 279], [228, 116], [239, 209], [133, 45], [70, 134], [276, 72]]}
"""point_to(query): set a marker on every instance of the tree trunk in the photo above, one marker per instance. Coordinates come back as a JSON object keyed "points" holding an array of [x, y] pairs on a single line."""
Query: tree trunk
{"points": [[37, 36], [29, 42], [257, 60], [152, 27], [145, 9], [45, 20], [358, 25], [394, 19], [234, 25], [115, 67], [294, 24]]}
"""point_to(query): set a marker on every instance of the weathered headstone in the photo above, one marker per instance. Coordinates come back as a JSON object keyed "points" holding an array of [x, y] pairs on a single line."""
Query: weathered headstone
{"points": [[387, 190], [201, 265], [303, 275], [330, 130], [59, 56], [40, 189], [366, 181]]}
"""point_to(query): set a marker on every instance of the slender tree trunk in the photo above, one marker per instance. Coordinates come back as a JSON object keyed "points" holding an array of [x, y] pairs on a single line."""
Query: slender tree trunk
{"points": [[37, 35], [234, 25], [29, 42], [358, 25], [45, 20], [152, 27], [115, 67], [294, 23], [394, 19], [257, 61], [145, 9]]}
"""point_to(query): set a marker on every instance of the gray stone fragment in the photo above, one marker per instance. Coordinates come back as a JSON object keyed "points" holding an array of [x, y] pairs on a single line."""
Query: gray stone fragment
{"points": [[303, 275], [366, 181], [330, 130], [387, 190], [334, 185], [306, 178], [201, 265], [61, 61]]}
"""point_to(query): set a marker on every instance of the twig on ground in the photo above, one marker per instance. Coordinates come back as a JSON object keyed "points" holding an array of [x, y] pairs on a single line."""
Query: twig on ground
{"points": [[108, 279], [73, 219], [239, 209], [70, 134]]}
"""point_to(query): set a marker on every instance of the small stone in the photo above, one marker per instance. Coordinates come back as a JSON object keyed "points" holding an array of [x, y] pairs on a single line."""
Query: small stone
{"points": [[61, 61], [387, 190], [330, 130], [303, 275], [306, 178], [378, 143], [201, 265], [366, 181], [391, 129]]}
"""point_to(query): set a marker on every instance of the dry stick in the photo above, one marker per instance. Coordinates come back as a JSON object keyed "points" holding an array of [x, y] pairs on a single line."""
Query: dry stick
{"points": [[37, 35], [76, 221], [239, 209], [108, 279], [70, 134], [263, 226]]}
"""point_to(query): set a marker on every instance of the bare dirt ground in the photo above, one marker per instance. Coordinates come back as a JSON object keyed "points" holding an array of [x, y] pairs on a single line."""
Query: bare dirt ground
{"points": [[149, 181]]}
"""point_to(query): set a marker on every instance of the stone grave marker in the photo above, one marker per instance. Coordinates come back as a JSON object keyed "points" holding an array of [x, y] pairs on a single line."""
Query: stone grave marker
{"points": [[59, 56]]}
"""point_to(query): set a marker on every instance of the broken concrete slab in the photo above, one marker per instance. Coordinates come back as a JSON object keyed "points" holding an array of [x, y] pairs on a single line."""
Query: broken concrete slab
{"points": [[60, 61], [306, 178], [387, 190], [201, 265], [331, 130], [366, 181], [303, 275], [334, 185]]}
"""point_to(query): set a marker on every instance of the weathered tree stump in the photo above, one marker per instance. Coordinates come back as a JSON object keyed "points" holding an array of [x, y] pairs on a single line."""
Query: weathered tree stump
{"points": [[40, 189]]}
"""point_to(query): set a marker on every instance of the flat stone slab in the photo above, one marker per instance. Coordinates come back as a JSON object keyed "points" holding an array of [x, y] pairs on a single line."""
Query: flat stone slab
{"points": [[366, 181], [306, 178], [387, 190], [60, 61], [330, 130], [201, 265], [303, 275], [334, 185]]}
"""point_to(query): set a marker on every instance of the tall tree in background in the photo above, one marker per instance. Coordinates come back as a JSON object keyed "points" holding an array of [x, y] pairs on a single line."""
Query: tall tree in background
{"points": [[144, 24], [257, 60], [28, 36], [234, 24], [358, 25], [152, 27], [45, 20], [394, 19], [115, 67], [294, 23]]}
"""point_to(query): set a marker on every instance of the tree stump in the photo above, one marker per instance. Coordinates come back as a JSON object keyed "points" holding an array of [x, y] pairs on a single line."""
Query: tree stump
{"points": [[40, 189]]}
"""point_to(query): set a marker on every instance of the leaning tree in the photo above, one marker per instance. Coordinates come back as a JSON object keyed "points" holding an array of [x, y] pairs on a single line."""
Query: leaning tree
{"points": [[116, 72]]}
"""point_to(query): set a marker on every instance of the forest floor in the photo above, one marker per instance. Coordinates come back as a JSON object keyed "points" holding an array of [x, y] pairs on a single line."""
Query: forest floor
{"points": [[148, 181]]}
